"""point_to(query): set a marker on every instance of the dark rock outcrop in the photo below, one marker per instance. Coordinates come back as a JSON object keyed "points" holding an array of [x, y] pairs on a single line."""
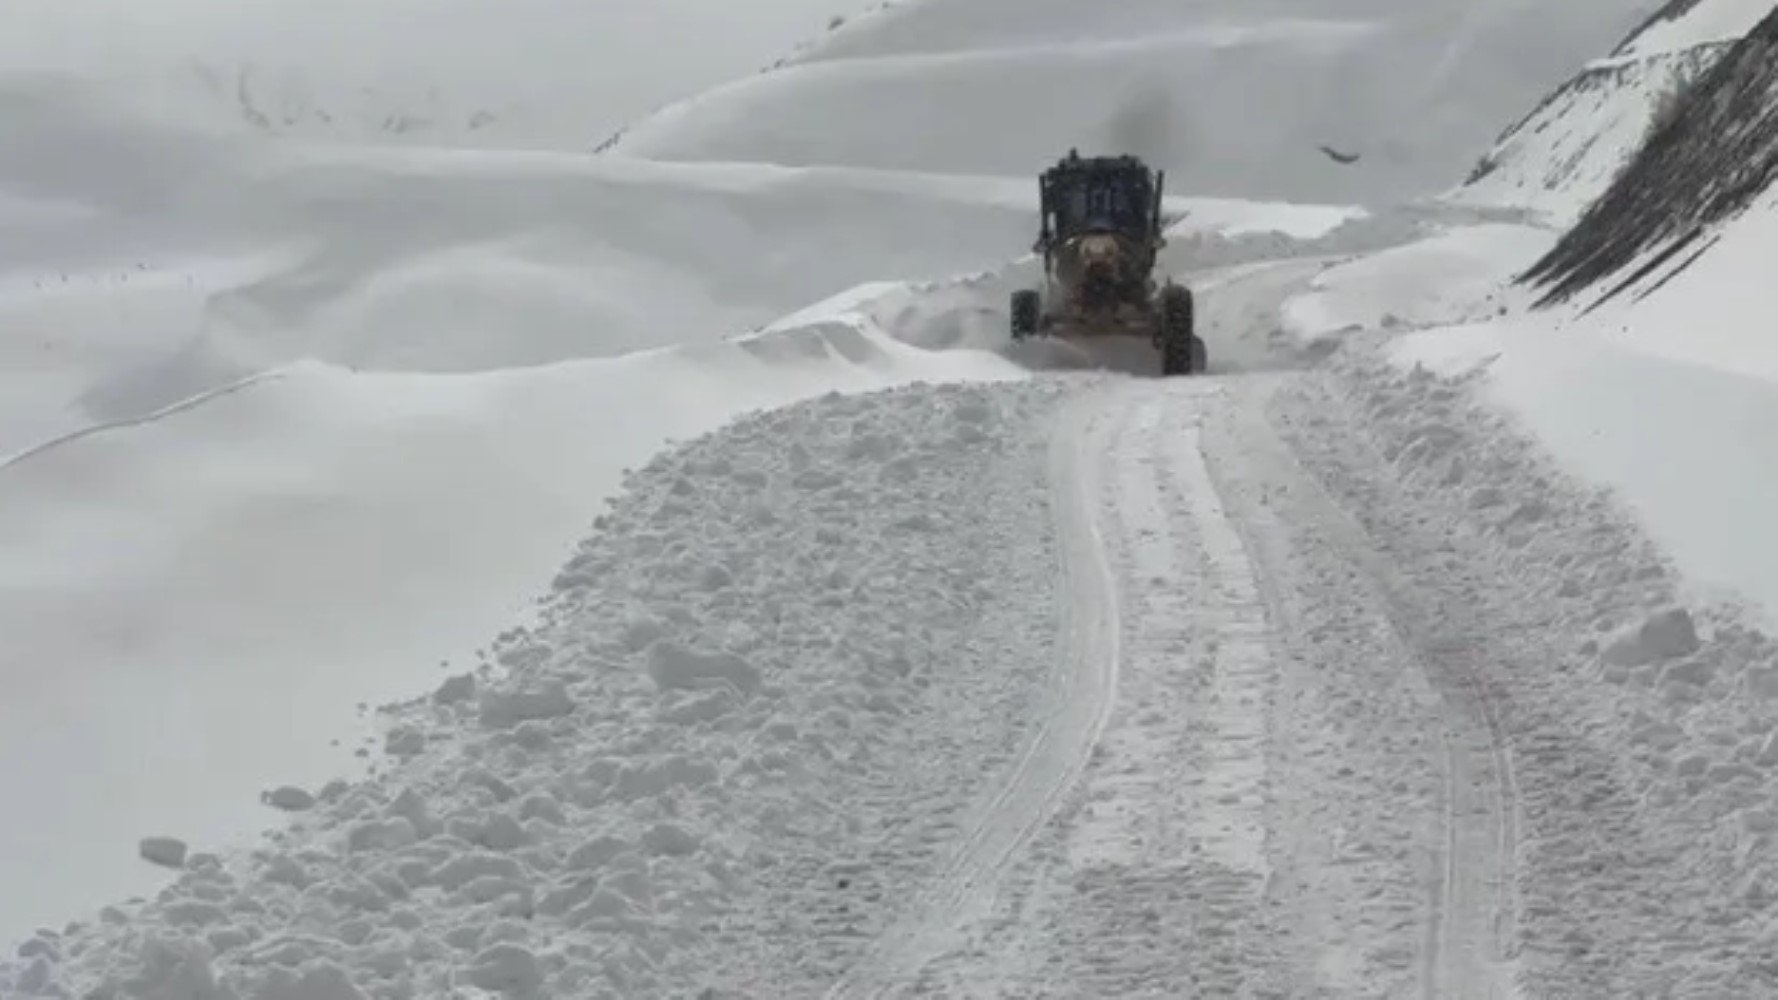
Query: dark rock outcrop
{"points": [[1711, 151]]}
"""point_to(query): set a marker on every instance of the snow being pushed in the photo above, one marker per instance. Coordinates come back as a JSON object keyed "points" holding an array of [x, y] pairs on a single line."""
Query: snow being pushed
{"points": [[749, 714]]}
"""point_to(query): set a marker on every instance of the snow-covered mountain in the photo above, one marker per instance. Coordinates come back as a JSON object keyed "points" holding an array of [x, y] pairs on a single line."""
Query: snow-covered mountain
{"points": [[1707, 159], [533, 74], [995, 88], [1562, 155], [295, 418]]}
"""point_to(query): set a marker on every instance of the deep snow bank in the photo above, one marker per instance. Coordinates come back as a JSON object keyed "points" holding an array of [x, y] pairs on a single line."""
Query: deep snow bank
{"points": [[1605, 394], [1680, 443], [789, 635], [949, 86], [1639, 723], [193, 603], [1447, 277]]}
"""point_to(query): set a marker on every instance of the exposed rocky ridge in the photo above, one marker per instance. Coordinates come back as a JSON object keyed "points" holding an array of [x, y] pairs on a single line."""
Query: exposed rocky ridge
{"points": [[1711, 152]]}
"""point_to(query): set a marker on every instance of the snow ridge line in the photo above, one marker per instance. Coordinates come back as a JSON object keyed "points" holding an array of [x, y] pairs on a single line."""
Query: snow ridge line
{"points": [[1085, 683], [172, 409]]}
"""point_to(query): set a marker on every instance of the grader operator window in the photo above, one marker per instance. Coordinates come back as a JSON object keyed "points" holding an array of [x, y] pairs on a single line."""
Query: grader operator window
{"points": [[1096, 196]]}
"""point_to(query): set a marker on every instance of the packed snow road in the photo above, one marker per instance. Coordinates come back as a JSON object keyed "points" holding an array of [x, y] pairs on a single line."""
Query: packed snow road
{"points": [[1398, 711], [1297, 792], [1310, 682]]}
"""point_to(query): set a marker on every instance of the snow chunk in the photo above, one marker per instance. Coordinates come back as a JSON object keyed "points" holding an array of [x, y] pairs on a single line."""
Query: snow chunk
{"points": [[36, 977], [504, 710], [289, 798], [454, 690], [173, 969], [168, 852], [673, 666], [1668, 635], [464, 868]]}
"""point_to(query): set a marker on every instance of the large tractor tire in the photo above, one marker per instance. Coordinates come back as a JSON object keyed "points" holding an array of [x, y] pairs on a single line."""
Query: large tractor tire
{"points": [[1025, 305], [1182, 352]]}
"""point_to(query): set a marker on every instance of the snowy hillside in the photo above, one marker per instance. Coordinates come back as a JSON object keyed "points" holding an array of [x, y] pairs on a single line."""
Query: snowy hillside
{"points": [[744, 616], [1685, 24], [1572, 145], [957, 87], [1568, 150], [1705, 163], [534, 74]]}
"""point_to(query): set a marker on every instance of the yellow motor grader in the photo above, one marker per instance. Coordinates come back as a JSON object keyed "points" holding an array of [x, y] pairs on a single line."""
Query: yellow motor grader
{"points": [[1099, 237]]}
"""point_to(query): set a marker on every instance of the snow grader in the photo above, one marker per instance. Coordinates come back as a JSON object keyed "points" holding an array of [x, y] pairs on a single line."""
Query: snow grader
{"points": [[1099, 235]]}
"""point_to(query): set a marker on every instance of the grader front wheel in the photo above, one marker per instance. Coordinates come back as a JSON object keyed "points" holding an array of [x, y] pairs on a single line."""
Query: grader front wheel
{"points": [[1182, 353], [1025, 309]]}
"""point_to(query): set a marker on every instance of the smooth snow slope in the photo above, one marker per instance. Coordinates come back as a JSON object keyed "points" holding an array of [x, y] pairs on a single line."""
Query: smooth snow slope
{"points": [[212, 259], [540, 74], [1234, 98]]}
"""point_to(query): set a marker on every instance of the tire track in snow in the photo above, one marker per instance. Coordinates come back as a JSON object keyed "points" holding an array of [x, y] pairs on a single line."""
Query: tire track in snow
{"points": [[965, 889], [1209, 847], [1170, 856], [1152, 881], [1230, 619], [1470, 909], [1473, 920]]}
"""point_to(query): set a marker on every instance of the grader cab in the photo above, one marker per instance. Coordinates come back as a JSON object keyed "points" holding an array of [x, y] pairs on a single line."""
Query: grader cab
{"points": [[1100, 234]]}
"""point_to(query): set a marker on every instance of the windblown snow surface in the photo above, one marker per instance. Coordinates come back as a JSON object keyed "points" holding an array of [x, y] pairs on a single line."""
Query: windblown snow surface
{"points": [[409, 72], [1415, 650]]}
